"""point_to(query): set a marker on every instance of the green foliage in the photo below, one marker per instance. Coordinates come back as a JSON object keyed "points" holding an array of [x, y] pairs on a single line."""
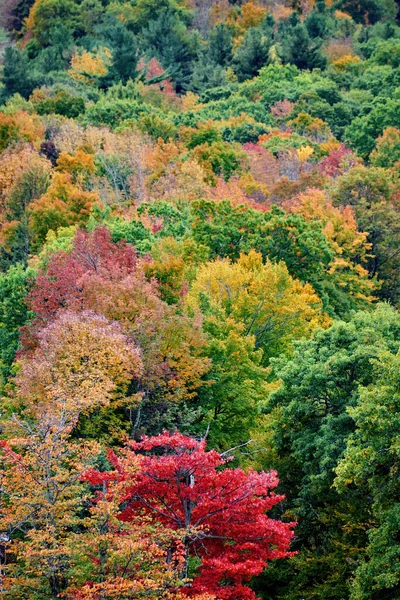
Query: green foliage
{"points": [[252, 54], [168, 39], [220, 46], [115, 112], [363, 131], [371, 463], [229, 230], [299, 49], [123, 45], [50, 14], [220, 187], [220, 158], [14, 287], [368, 11], [312, 420], [61, 103], [16, 76], [228, 403]]}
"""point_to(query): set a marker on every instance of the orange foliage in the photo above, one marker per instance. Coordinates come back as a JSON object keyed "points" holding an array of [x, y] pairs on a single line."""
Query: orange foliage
{"points": [[340, 227], [63, 204], [78, 165], [20, 126], [13, 163]]}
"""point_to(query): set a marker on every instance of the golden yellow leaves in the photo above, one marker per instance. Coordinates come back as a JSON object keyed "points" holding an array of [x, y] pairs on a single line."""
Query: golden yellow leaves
{"points": [[87, 66]]}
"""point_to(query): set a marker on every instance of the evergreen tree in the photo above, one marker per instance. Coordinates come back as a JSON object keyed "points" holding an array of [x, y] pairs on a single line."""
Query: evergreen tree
{"points": [[252, 54], [300, 50], [220, 45], [16, 73], [168, 39], [317, 21], [124, 52]]}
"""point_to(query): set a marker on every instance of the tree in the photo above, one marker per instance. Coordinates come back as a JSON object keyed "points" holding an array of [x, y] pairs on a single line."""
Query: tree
{"points": [[123, 46], [362, 132], [61, 540], [47, 15], [229, 230], [351, 249], [234, 388], [221, 514], [14, 288], [300, 50], [272, 306], [220, 45], [370, 192], [387, 151], [310, 422], [19, 13], [25, 176], [62, 205], [252, 54], [371, 463], [219, 158], [82, 363], [110, 280], [41, 503], [367, 11], [167, 38], [16, 76]]}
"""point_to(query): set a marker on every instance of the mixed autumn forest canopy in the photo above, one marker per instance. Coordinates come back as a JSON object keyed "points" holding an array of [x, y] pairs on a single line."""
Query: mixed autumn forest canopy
{"points": [[199, 299]]}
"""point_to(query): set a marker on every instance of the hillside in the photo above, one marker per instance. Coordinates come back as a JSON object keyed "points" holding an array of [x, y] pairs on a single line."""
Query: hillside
{"points": [[199, 300]]}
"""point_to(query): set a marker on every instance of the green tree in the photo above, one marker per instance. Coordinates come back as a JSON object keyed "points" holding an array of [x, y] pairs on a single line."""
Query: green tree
{"points": [[229, 400], [14, 287], [387, 151], [229, 230], [361, 134], [310, 419], [368, 11], [300, 50], [169, 40], [220, 45], [122, 43], [16, 73], [252, 54], [371, 463]]}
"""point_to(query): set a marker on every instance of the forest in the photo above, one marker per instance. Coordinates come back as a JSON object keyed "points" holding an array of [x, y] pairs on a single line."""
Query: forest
{"points": [[199, 299]]}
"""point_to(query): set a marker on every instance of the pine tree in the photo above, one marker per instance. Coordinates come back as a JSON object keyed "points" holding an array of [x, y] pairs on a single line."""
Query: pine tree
{"points": [[252, 54]]}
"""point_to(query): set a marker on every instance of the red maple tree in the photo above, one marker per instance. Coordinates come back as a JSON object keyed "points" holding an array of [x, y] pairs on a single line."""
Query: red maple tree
{"points": [[220, 512]]}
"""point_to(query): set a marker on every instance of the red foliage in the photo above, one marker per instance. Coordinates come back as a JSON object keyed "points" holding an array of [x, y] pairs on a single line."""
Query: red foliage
{"points": [[61, 284], [154, 70], [337, 162], [221, 511]]}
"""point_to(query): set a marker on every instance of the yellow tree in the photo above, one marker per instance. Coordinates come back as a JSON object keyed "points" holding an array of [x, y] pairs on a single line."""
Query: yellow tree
{"points": [[272, 305]]}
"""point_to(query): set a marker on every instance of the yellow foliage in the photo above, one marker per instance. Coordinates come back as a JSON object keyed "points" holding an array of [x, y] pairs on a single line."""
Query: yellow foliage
{"points": [[82, 362], [330, 146], [30, 20], [304, 153], [86, 66], [13, 164], [80, 163], [252, 16], [273, 306], [339, 14], [190, 101], [341, 64]]}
